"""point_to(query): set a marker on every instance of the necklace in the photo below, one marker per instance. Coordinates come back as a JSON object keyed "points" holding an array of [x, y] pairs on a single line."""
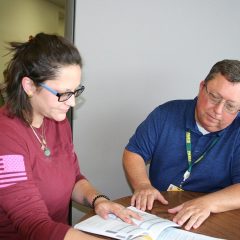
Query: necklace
{"points": [[42, 141]]}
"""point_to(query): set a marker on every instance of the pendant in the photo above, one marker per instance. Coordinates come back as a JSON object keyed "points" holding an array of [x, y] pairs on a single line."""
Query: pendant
{"points": [[47, 152]]}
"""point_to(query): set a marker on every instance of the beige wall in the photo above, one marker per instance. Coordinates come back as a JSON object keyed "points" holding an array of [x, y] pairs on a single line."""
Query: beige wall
{"points": [[20, 19]]}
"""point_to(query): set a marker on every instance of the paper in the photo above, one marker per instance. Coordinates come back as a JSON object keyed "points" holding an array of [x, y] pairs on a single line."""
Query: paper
{"points": [[151, 227]]}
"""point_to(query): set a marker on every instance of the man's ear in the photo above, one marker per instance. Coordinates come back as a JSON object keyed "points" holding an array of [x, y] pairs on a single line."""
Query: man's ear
{"points": [[201, 86], [28, 86]]}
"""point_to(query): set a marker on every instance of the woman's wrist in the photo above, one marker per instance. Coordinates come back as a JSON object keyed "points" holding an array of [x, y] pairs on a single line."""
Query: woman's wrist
{"points": [[98, 197]]}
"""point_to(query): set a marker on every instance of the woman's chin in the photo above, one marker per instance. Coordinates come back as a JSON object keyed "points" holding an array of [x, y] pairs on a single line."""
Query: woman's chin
{"points": [[60, 117]]}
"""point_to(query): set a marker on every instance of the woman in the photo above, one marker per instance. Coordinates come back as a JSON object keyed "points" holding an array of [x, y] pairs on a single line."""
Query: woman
{"points": [[39, 172]]}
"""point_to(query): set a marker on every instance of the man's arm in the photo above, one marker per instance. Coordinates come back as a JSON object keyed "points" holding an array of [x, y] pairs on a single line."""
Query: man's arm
{"points": [[196, 211], [144, 193]]}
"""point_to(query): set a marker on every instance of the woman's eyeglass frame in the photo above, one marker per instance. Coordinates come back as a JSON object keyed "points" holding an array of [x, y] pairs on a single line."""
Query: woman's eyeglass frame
{"points": [[62, 97]]}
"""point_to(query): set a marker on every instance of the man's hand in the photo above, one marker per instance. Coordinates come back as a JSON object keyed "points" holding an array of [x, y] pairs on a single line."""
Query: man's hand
{"points": [[193, 213], [145, 195]]}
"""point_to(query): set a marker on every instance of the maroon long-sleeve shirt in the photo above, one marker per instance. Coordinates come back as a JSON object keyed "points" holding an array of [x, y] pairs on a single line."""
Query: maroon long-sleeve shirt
{"points": [[35, 190]]}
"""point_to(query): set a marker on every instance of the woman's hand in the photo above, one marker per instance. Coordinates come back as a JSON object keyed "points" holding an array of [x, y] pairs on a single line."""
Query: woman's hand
{"points": [[103, 207]]}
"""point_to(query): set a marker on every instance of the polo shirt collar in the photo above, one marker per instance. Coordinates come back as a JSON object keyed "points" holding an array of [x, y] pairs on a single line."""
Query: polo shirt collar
{"points": [[191, 121]]}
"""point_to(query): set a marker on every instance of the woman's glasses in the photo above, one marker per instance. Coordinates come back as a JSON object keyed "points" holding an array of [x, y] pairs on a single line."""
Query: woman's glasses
{"points": [[62, 97]]}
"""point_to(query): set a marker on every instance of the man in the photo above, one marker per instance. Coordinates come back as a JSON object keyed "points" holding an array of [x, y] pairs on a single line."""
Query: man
{"points": [[192, 145]]}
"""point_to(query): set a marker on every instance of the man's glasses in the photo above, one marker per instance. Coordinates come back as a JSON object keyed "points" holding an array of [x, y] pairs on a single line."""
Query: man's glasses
{"points": [[216, 99], [62, 97]]}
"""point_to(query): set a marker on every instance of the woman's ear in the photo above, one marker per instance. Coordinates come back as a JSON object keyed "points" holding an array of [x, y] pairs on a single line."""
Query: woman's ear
{"points": [[28, 86]]}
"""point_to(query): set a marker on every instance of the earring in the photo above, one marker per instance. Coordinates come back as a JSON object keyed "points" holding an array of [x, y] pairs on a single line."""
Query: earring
{"points": [[29, 95]]}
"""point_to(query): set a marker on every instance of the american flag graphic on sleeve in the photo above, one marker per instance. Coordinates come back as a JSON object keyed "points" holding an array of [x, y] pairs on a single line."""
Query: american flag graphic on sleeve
{"points": [[12, 170]]}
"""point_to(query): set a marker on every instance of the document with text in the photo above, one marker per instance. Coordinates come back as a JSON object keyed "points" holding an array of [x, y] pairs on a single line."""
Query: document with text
{"points": [[151, 227]]}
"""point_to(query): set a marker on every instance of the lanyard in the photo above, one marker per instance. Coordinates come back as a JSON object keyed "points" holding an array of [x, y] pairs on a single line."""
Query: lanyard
{"points": [[186, 175]]}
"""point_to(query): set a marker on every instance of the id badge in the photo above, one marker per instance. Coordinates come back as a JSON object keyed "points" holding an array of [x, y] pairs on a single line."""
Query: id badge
{"points": [[174, 188]]}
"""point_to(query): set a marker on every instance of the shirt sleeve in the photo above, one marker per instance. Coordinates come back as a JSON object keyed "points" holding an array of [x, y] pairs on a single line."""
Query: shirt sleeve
{"points": [[79, 175], [146, 136], [235, 168], [20, 199]]}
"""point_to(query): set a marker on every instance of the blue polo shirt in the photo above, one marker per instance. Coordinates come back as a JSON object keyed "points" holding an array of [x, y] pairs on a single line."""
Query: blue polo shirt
{"points": [[161, 140]]}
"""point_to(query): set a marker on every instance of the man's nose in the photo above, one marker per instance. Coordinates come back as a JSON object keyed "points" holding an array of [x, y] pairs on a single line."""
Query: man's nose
{"points": [[219, 107]]}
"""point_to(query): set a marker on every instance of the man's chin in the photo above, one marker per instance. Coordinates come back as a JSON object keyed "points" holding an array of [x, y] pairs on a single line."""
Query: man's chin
{"points": [[212, 128]]}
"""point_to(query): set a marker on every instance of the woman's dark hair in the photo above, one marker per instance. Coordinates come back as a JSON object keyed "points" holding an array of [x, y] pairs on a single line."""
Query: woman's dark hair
{"points": [[230, 69], [40, 58]]}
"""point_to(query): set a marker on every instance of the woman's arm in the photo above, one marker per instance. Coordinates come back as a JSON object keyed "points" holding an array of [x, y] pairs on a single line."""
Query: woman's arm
{"points": [[73, 234], [85, 193]]}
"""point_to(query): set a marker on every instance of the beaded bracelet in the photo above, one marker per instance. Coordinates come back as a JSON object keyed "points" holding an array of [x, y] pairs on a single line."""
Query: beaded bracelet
{"points": [[98, 196]]}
